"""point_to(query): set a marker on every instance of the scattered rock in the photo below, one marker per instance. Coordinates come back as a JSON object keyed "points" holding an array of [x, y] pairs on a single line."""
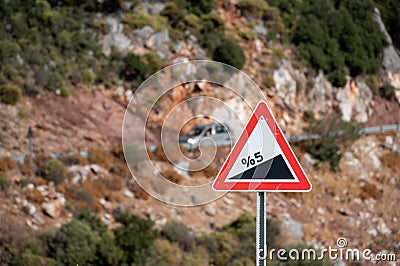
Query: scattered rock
{"points": [[106, 204], [198, 52], [52, 208], [368, 154], [389, 140], [355, 100], [118, 210], [295, 203], [382, 228], [353, 167], [344, 212], [260, 29], [228, 201], [182, 169], [159, 42], [153, 8], [285, 87], [31, 225], [161, 222], [43, 190], [210, 210], [292, 231], [30, 186], [140, 36], [149, 212], [320, 210], [308, 160], [372, 232], [81, 172], [28, 207], [37, 218], [129, 194]]}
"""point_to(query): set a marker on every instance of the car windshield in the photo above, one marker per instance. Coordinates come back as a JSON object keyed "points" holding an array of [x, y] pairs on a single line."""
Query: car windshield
{"points": [[195, 131]]}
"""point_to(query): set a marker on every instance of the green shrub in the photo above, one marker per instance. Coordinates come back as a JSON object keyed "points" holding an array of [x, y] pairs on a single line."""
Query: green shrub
{"points": [[174, 13], [4, 183], [166, 253], [212, 31], [90, 219], [107, 253], [88, 77], [135, 20], [135, 67], [190, 22], [10, 94], [326, 150], [179, 233], [244, 230], [253, 8], [278, 53], [229, 52], [135, 237], [22, 114], [81, 196], [247, 35], [268, 82], [153, 62], [198, 7], [31, 259], [387, 92], [373, 83], [74, 244], [54, 81], [53, 170], [334, 132], [308, 116], [337, 78], [65, 92]]}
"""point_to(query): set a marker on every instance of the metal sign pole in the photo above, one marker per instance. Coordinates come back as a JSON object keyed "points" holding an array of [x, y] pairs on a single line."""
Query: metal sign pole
{"points": [[261, 229], [29, 135]]}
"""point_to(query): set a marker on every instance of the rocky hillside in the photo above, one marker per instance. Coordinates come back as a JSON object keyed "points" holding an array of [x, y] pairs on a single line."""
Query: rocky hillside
{"points": [[69, 69]]}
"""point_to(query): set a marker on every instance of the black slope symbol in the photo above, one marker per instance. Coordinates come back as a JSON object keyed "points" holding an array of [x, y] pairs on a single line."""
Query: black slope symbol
{"points": [[274, 168]]}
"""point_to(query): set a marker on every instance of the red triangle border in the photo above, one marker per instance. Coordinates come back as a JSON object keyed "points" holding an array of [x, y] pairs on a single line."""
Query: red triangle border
{"points": [[302, 185]]}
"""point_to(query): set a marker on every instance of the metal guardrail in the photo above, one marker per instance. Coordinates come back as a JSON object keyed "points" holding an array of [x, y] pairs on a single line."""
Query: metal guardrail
{"points": [[363, 131], [290, 138]]}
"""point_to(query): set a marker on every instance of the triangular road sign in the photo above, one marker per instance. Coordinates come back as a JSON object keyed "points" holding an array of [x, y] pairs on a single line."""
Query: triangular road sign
{"points": [[262, 159]]}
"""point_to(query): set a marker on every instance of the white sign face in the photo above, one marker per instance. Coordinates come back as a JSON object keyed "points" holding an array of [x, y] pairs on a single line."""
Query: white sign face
{"points": [[262, 159], [257, 157]]}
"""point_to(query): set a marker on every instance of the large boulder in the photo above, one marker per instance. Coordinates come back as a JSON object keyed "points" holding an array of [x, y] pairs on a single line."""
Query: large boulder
{"points": [[160, 42], [391, 59], [141, 35], [355, 101], [116, 37], [53, 208], [285, 87], [291, 231]]}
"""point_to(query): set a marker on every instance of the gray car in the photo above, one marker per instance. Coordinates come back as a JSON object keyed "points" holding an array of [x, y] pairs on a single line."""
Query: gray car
{"points": [[218, 132]]}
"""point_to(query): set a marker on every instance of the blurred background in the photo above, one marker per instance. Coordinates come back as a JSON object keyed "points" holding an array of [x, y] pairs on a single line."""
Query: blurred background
{"points": [[330, 70]]}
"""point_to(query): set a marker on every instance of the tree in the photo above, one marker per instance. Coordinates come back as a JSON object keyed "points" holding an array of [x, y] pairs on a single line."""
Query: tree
{"points": [[53, 170], [135, 237], [74, 244], [229, 52]]}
